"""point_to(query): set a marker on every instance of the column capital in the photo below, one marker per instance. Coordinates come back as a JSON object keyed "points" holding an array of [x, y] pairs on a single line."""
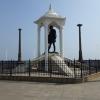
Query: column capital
{"points": [[79, 25], [61, 27], [19, 29], [39, 25], [47, 23]]}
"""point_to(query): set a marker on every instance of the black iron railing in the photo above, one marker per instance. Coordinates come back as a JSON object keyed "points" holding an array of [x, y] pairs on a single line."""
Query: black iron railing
{"points": [[65, 69]]}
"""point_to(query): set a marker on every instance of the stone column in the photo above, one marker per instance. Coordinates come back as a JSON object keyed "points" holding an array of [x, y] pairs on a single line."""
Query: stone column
{"points": [[19, 49], [46, 47], [80, 45], [61, 41], [38, 41]]}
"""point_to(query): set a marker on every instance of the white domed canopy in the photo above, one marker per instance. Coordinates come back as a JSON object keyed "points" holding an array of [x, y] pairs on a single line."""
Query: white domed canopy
{"points": [[52, 18]]}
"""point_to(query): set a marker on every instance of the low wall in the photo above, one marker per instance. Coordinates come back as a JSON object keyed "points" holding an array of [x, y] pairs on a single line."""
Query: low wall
{"points": [[42, 79]]}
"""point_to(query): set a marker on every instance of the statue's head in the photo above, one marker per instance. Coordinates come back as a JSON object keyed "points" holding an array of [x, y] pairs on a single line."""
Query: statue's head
{"points": [[51, 27]]}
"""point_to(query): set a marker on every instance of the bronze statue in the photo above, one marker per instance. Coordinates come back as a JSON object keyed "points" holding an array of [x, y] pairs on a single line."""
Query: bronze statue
{"points": [[51, 38]]}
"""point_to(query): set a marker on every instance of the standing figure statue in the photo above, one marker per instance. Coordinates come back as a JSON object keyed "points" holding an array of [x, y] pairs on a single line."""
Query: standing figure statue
{"points": [[51, 38]]}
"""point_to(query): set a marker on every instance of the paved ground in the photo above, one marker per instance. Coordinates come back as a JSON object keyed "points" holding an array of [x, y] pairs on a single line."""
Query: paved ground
{"points": [[11, 90]]}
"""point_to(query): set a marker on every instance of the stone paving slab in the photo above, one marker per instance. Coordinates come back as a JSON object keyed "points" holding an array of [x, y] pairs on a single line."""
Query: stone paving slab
{"points": [[12, 90]]}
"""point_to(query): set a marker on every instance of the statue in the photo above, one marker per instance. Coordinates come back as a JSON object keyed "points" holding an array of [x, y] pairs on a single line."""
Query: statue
{"points": [[51, 38]]}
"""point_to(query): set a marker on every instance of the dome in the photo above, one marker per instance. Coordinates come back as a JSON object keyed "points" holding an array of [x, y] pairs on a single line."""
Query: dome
{"points": [[50, 16], [51, 13]]}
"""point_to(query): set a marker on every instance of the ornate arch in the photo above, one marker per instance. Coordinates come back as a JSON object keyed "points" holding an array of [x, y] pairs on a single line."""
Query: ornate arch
{"points": [[55, 24]]}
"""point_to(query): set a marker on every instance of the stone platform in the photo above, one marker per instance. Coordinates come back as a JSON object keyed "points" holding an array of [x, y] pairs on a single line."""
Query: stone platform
{"points": [[55, 63]]}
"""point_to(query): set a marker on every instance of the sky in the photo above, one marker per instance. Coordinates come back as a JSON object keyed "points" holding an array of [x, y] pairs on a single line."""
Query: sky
{"points": [[16, 14]]}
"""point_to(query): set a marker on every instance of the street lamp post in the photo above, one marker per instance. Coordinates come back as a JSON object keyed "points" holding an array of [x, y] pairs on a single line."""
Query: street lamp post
{"points": [[19, 49], [80, 44]]}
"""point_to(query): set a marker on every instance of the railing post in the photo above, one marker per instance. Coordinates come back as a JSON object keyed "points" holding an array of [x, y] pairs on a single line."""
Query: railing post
{"points": [[89, 67], [10, 68], [74, 69], [70, 63], [29, 68], [96, 63], [50, 67], [2, 66], [13, 66], [81, 70]]}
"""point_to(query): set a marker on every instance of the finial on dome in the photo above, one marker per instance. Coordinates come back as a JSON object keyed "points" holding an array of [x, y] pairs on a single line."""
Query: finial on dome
{"points": [[50, 7]]}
